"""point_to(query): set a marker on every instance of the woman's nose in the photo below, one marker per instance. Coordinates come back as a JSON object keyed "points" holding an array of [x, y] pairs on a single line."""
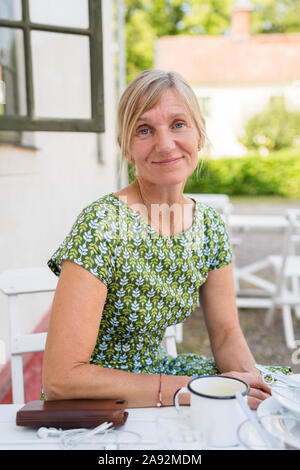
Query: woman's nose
{"points": [[164, 142]]}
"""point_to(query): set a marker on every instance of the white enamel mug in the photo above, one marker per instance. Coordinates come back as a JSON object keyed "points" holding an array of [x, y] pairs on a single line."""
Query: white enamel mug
{"points": [[214, 407]]}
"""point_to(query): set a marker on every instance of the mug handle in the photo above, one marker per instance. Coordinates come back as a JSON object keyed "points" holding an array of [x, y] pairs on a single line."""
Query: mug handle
{"points": [[176, 396]]}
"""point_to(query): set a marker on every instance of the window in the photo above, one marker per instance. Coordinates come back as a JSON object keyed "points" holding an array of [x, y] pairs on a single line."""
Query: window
{"points": [[205, 105], [277, 100], [51, 76]]}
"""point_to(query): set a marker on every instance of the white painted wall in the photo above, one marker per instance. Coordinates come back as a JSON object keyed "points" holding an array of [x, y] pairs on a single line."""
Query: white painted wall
{"points": [[42, 191], [231, 107]]}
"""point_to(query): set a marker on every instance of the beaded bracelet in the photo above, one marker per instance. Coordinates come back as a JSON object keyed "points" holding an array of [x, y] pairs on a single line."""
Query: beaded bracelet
{"points": [[159, 402]]}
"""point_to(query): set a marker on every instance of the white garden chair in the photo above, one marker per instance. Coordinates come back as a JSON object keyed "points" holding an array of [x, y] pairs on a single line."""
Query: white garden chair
{"points": [[172, 336], [261, 296], [287, 269], [14, 282]]}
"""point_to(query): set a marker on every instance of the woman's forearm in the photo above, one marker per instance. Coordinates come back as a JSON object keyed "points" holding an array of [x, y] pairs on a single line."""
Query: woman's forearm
{"points": [[94, 382], [233, 353]]}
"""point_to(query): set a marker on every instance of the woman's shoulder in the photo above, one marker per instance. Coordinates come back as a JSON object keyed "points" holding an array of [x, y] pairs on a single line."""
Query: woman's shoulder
{"points": [[207, 214], [98, 220], [90, 242], [106, 206]]}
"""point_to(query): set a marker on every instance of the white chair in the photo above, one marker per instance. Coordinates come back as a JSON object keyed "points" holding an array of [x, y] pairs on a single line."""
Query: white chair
{"points": [[287, 269], [252, 274], [172, 336], [14, 282]]}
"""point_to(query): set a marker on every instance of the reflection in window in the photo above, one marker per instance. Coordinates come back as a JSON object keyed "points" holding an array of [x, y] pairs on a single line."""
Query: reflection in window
{"points": [[12, 72], [69, 13], [205, 105], [62, 87], [10, 10]]}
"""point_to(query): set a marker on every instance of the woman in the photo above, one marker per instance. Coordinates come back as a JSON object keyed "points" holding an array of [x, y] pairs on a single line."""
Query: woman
{"points": [[134, 262]]}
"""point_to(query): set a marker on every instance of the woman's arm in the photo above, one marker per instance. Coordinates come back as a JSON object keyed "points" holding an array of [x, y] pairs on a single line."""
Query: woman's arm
{"points": [[75, 320], [229, 346]]}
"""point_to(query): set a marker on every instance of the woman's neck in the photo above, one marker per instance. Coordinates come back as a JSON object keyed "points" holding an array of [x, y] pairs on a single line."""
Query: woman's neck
{"points": [[159, 194], [167, 212]]}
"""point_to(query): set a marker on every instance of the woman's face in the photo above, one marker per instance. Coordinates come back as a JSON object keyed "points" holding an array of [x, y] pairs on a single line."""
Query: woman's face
{"points": [[165, 142]]}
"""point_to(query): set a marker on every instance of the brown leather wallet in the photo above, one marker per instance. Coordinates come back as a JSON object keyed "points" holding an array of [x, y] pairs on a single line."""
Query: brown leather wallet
{"points": [[70, 414]]}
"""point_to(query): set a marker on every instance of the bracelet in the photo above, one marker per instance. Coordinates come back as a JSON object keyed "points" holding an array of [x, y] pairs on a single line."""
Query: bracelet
{"points": [[159, 402]]}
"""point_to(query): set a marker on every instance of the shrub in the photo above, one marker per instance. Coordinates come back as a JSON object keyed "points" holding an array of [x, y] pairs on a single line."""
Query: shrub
{"points": [[274, 128], [253, 175]]}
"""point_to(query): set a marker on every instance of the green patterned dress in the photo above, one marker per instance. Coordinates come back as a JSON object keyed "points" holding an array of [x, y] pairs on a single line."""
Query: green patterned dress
{"points": [[152, 281]]}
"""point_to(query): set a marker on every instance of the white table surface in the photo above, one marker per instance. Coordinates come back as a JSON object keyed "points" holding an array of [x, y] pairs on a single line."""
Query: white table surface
{"points": [[141, 420]]}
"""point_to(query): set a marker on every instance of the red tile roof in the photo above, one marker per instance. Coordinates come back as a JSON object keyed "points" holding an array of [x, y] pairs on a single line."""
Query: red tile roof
{"points": [[228, 59]]}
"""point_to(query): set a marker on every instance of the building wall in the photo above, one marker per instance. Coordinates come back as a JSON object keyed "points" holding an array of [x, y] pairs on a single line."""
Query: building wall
{"points": [[42, 191], [229, 108]]}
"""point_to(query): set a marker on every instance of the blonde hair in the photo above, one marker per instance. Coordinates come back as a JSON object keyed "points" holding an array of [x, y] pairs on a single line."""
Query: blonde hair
{"points": [[143, 93]]}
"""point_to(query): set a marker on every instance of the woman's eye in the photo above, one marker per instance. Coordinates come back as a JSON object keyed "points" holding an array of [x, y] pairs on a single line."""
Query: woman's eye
{"points": [[144, 131], [179, 125]]}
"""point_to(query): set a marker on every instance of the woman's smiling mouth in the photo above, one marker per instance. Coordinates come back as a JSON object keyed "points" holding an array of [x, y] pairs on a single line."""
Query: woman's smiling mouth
{"points": [[169, 161]]}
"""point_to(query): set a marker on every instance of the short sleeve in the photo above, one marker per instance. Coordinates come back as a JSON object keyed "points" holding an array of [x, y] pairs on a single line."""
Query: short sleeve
{"points": [[88, 244], [216, 240]]}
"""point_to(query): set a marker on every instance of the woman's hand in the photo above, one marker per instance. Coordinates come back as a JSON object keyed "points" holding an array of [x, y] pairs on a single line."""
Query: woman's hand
{"points": [[259, 391]]}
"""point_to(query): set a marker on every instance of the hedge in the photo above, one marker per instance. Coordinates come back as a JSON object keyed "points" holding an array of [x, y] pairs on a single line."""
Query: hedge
{"points": [[252, 175]]}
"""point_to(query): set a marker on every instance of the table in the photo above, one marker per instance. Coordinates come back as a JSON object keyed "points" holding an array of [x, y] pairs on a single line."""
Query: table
{"points": [[141, 420]]}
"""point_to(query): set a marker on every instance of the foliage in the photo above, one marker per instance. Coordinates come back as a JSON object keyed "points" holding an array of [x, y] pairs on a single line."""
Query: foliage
{"points": [[253, 175], [131, 172], [274, 128], [270, 16]]}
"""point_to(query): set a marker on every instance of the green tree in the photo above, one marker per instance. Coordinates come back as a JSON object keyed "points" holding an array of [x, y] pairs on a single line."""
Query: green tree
{"points": [[274, 128], [270, 16]]}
